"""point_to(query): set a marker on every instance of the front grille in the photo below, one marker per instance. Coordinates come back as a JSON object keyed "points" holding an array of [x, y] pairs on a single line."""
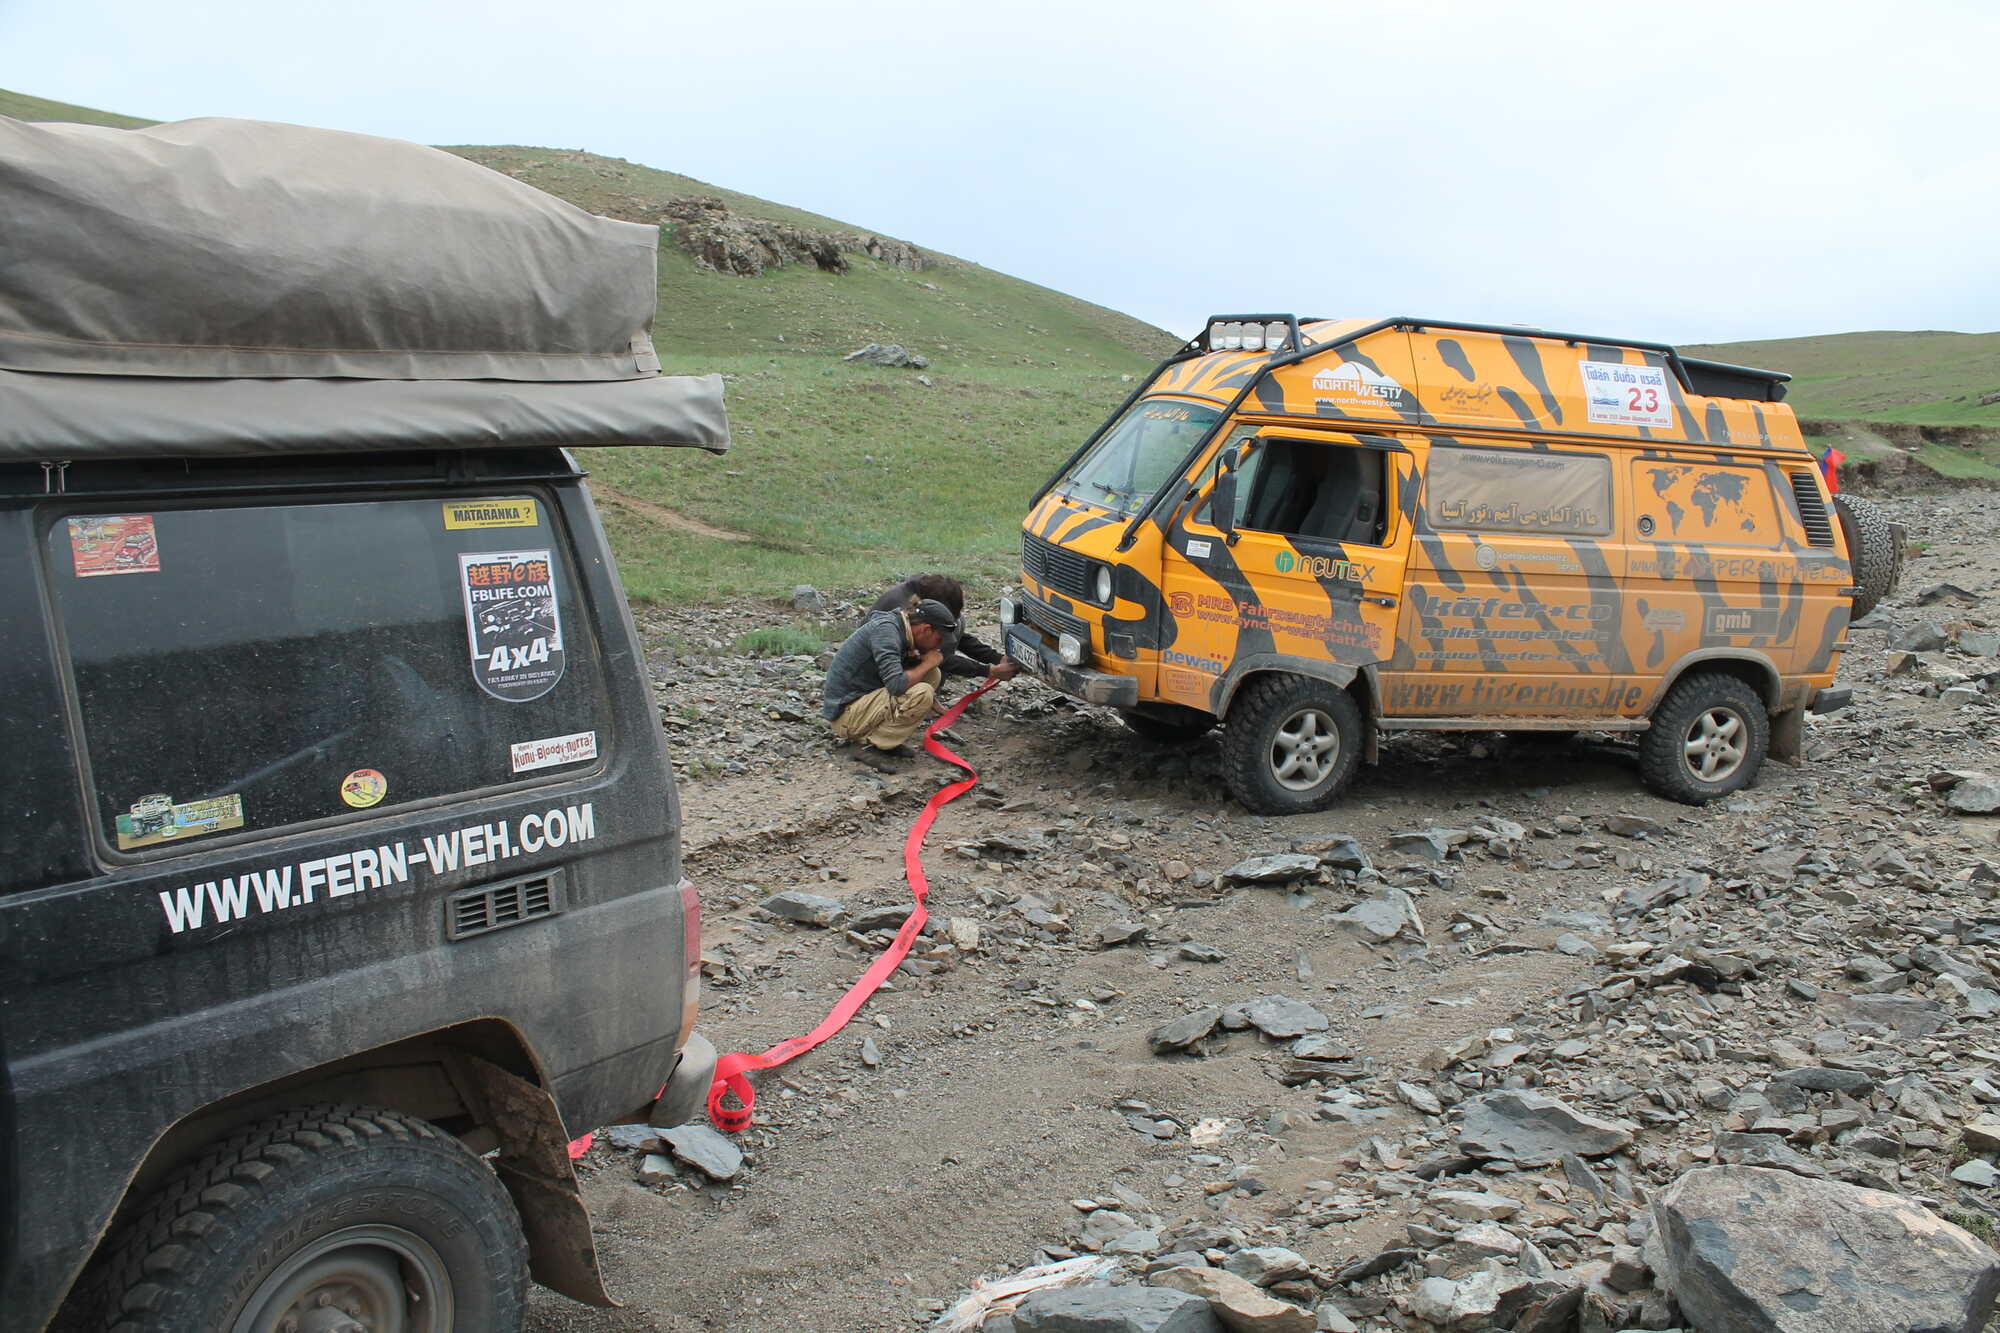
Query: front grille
{"points": [[497, 906], [1812, 509], [1054, 567], [1051, 621]]}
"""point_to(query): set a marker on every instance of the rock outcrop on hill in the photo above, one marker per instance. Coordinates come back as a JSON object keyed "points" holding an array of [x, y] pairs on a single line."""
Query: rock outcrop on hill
{"points": [[728, 242]]}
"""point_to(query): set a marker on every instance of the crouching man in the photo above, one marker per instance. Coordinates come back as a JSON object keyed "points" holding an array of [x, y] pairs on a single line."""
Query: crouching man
{"points": [[884, 679]]}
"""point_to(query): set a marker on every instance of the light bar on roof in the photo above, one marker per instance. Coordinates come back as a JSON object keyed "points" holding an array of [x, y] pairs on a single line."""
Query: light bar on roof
{"points": [[1235, 335]]}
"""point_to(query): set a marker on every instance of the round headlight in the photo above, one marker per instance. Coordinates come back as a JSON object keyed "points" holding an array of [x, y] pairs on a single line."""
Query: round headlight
{"points": [[1071, 649], [1104, 584], [1009, 612]]}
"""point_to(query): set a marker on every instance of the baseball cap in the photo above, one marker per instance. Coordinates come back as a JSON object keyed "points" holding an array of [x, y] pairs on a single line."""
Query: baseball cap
{"points": [[939, 617]]}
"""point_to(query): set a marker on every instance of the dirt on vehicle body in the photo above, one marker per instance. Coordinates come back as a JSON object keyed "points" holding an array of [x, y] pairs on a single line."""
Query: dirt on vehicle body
{"points": [[1321, 531]]}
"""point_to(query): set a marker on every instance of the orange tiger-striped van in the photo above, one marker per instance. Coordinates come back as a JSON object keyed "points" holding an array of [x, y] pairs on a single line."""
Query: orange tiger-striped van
{"points": [[1314, 531]]}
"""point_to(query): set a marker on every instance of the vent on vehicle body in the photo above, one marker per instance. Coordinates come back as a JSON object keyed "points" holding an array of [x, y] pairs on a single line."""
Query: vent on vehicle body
{"points": [[497, 906], [1053, 567], [1812, 509]]}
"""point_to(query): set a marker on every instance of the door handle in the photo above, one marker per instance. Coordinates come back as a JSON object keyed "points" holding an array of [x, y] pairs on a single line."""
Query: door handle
{"points": [[1378, 600]]}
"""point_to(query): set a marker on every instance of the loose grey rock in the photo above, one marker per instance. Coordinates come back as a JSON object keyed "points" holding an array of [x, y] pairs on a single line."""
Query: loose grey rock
{"points": [[1978, 1173], [1475, 1205], [1114, 1310], [808, 909], [1771, 1252], [1281, 1016], [1183, 1032], [1121, 932], [1265, 1264], [1818, 1078], [1634, 826], [633, 1138], [1910, 1016], [1236, 1304], [880, 918], [892, 354], [805, 597], [655, 1169], [1763, 1150], [1977, 794], [1381, 919], [1280, 868], [1921, 638], [705, 1150], [1196, 952], [1534, 1129]]}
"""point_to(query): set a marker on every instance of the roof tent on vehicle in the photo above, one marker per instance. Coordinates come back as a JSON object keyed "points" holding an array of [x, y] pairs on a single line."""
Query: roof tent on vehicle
{"points": [[225, 287]]}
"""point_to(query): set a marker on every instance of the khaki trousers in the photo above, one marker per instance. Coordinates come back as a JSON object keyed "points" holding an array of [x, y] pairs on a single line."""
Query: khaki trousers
{"points": [[885, 720]]}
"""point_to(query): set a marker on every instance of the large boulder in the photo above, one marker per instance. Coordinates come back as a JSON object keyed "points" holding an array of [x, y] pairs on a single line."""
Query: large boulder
{"points": [[1115, 1310], [1749, 1250]]}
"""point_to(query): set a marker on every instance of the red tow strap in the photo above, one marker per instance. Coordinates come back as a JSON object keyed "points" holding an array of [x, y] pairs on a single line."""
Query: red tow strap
{"points": [[730, 1076]]}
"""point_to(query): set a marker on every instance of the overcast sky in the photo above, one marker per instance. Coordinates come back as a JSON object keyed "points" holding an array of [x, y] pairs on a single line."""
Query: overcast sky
{"points": [[1689, 172]]}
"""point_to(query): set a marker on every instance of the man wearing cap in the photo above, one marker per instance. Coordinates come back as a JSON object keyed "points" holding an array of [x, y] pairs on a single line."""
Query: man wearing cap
{"points": [[883, 679], [973, 658]]}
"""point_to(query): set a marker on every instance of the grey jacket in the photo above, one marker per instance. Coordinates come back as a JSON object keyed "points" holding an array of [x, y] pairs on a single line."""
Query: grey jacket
{"points": [[871, 659]]}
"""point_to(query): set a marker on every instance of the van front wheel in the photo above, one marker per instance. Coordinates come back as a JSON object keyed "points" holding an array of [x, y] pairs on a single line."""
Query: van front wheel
{"points": [[1708, 739], [1291, 744]]}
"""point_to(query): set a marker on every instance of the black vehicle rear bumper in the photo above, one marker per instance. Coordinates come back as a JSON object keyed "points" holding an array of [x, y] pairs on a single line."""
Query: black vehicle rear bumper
{"points": [[687, 1087], [1039, 660], [1831, 699]]}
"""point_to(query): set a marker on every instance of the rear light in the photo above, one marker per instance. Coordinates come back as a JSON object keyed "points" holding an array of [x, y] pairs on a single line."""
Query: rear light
{"points": [[690, 959]]}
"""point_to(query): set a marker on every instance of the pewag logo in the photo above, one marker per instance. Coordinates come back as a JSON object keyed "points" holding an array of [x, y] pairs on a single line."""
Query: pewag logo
{"points": [[1320, 567]]}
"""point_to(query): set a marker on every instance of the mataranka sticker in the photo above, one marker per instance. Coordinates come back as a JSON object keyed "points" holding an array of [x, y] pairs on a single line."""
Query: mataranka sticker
{"points": [[527, 756], [517, 513]]}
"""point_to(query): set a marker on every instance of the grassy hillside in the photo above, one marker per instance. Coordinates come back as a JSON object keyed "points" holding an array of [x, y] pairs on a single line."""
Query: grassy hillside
{"points": [[20, 106], [1931, 378]]}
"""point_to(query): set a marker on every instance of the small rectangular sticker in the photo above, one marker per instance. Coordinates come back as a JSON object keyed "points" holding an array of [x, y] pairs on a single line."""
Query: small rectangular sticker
{"points": [[1197, 550], [531, 755], [1621, 395], [156, 819], [114, 544], [490, 514]]}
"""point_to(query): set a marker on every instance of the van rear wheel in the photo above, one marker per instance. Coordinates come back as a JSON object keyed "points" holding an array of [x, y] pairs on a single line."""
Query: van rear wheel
{"points": [[1291, 745], [350, 1218], [1709, 738]]}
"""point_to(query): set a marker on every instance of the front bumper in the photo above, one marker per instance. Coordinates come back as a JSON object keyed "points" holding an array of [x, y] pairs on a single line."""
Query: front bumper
{"points": [[1035, 657], [687, 1087]]}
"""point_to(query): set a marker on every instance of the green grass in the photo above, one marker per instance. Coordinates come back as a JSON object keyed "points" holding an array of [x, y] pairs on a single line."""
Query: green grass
{"points": [[781, 641], [1930, 378], [1959, 463], [20, 106]]}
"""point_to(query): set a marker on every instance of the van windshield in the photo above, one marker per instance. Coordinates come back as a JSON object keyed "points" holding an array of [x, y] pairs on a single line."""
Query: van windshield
{"points": [[1139, 454]]}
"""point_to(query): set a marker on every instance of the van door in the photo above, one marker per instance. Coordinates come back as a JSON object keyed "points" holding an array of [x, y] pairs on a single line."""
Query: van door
{"points": [[1311, 572], [1514, 606]]}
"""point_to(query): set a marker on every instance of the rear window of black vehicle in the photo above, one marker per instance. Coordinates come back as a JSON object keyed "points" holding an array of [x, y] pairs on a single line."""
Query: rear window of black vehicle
{"points": [[249, 668]]}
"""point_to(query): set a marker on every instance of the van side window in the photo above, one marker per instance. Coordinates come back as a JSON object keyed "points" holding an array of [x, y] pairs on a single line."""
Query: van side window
{"points": [[1324, 492], [1527, 491], [247, 668]]}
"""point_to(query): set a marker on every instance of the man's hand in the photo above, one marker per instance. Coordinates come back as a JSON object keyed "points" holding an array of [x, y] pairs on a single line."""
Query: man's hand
{"points": [[1003, 670], [926, 664]]}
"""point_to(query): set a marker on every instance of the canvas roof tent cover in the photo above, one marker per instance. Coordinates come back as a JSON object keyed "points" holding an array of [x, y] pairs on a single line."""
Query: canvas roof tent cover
{"points": [[230, 287]]}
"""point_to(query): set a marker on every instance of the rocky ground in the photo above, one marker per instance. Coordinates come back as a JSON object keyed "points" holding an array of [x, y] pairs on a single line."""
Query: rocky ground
{"points": [[1499, 1042]]}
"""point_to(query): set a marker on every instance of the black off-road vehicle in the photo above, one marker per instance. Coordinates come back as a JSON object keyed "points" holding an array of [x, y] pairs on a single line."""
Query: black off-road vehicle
{"points": [[334, 902]]}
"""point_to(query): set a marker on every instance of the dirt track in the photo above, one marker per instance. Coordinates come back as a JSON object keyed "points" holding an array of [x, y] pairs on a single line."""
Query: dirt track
{"points": [[873, 1194]]}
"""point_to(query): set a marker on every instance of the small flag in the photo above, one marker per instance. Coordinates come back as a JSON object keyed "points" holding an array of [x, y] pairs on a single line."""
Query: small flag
{"points": [[1829, 468]]}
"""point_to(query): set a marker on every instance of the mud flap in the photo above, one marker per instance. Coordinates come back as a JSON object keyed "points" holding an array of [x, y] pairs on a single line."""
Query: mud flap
{"points": [[533, 1163], [1788, 735]]}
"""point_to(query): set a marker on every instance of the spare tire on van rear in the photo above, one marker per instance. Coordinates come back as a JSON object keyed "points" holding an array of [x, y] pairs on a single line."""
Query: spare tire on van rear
{"points": [[1874, 547]]}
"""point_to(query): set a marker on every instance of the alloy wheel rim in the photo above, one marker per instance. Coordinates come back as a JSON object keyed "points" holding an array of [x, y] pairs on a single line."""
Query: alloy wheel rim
{"points": [[1305, 751], [1715, 744]]}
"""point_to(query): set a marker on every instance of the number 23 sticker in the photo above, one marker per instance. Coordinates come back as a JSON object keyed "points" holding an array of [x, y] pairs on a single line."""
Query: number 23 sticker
{"points": [[1618, 394]]}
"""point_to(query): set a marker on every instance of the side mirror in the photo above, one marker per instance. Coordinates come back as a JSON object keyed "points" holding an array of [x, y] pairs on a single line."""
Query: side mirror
{"points": [[1222, 500]]}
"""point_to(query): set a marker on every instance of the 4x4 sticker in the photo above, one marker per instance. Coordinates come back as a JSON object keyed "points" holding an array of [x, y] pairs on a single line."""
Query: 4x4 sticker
{"points": [[114, 544], [490, 514], [156, 819], [512, 623]]}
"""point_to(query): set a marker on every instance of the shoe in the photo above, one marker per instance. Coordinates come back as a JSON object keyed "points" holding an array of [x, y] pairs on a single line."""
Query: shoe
{"points": [[882, 761]]}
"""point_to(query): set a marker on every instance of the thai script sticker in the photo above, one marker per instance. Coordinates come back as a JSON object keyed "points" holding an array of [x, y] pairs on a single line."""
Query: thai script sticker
{"points": [[1621, 395], [512, 623], [156, 819], [527, 756], [363, 787], [490, 514], [114, 544]]}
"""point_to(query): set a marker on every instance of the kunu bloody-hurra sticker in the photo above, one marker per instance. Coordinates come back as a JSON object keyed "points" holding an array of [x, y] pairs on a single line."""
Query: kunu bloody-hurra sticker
{"points": [[512, 623]]}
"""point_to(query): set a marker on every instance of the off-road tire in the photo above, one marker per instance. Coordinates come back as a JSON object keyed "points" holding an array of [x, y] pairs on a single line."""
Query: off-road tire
{"points": [[1167, 731], [1258, 721], [1692, 713], [1873, 549], [388, 1194]]}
